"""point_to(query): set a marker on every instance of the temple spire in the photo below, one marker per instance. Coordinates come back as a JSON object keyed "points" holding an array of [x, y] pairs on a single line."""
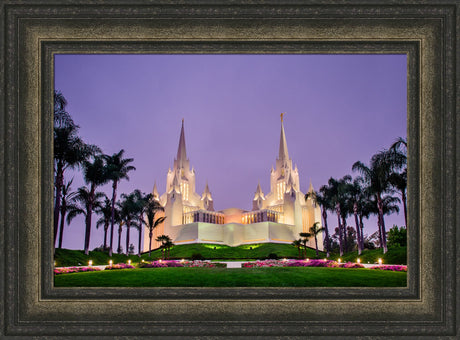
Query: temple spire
{"points": [[283, 154], [181, 152], [155, 193]]}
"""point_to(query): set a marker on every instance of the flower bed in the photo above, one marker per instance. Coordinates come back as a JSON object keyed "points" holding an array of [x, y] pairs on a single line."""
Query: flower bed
{"points": [[300, 263], [396, 268], [119, 266], [173, 263], [67, 270]]}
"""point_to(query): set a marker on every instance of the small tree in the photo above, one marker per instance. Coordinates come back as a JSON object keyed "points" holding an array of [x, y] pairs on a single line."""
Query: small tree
{"points": [[315, 230], [397, 237], [131, 249], [305, 237], [298, 245]]}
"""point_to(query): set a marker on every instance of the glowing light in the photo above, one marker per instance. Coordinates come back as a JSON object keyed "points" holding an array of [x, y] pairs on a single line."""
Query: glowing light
{"points": [[284, 260], [325, 259], [110, 263], [90, 263], [159, 260], [129, 262], [359, 261], [380, 261], [182, 261], [340, 260], [55, 263], [307, 260], [142, 261]]}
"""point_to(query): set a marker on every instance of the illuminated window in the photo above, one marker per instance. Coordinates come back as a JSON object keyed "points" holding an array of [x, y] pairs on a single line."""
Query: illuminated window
{"points": [[281, 188], [184, 190]]}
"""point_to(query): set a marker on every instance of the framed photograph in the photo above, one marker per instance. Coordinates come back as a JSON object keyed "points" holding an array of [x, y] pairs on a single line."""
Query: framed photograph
{"points": [[36, 33]]}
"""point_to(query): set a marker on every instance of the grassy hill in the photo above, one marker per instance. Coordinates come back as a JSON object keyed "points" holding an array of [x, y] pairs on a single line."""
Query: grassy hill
{"points": [[67, 257]]}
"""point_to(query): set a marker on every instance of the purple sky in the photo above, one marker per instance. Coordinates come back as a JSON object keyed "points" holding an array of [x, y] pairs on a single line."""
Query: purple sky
{"points": [[339, 109]]}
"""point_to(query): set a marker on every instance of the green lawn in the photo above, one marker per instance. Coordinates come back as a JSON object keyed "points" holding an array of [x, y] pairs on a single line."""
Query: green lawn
{"points": [[239, 277]]}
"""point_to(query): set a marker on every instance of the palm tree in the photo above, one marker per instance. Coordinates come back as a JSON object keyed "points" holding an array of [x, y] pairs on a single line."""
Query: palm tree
{"points": [[376, 177], [397, 156], [166, 244], [305, 237], [95, 175], [105, 210], [128, 211], [152, 208], [337, 190], [321, 198], [298, 245], [117, 169], [315, 229], [83, 203], [67, 196], [357, 199], [69, 152], [142, 201]]}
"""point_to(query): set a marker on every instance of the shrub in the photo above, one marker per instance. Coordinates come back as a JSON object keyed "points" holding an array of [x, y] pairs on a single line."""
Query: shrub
{"points": [[272, 256], [197, 257]]}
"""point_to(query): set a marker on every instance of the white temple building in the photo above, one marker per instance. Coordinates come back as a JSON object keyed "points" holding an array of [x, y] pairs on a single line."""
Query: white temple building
{"points": [[276, 217]]}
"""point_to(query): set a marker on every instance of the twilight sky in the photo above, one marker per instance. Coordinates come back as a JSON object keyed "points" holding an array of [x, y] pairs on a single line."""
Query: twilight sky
{"points": [[339, 109]]}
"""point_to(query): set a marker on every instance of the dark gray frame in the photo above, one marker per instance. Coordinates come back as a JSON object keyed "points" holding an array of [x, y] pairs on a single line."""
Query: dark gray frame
{"points": [[426, 31]]}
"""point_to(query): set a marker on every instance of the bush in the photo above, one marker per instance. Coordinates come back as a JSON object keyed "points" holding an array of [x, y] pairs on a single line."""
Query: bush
{"points": [[272, 256], [197, 257]]}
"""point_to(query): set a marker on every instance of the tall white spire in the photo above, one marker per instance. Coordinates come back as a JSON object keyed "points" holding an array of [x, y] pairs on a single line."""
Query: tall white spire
{"points": [[181, 152], [155, 193], [283, 153]]}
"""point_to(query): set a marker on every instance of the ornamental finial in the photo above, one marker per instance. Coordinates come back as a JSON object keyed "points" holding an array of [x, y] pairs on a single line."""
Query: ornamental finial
{"points": [[282, 114]]}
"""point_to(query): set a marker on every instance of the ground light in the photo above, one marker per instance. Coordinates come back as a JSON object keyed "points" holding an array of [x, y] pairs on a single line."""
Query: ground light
{"points": [[129, 262], [110, 263], [380, 261], [359, 261], [90, 263], [340, 260], [307, 260]]}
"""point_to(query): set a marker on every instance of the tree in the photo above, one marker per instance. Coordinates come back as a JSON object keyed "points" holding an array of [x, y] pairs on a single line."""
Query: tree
{"points": [[95, 175], [67, 196], [69, 150], [83, 203], [397, 237], [142, 201], [298, 245], [338, 191], [128, 212], [305, 237], [152, 208], [322, 199], [315, 229], [376, 176], [357, 199], [117, 169], [397, 156], [105, 210], [399, 181], [166, 244]]}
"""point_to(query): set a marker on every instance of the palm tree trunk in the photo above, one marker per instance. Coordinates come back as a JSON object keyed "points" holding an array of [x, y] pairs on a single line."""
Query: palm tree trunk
{"points": [[61, 228], [358, 233], [89, 212], [140, 235], [404, 200], [316, 244], [345, 238], [324, 213], [57, 202], [112, 218], [106, 228], [150, 243], [361, 226], [337, 210], [119, 239], [382, 224], [128, 225]]}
